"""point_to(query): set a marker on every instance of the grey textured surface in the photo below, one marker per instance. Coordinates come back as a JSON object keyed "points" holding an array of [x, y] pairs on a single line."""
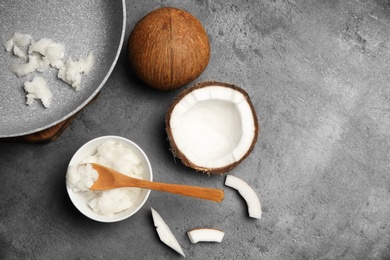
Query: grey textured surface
{"points": [[318, 75], [82, 27]]}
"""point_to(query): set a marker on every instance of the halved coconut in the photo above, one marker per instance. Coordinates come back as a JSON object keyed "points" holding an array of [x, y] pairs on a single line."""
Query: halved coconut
{"points": [[212, 126]]}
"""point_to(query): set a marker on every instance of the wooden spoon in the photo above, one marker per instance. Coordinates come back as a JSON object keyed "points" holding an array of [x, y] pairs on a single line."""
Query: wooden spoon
{"points": [[111, 179]]}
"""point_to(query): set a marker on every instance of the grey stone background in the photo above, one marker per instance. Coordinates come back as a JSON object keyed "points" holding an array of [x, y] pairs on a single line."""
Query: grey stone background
{"points": [[318, 75]]}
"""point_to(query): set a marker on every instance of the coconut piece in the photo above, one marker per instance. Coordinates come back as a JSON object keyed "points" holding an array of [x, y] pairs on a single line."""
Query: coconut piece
{"points": [[19, 53], [38, 89], [18, 39], [168, 48], [205, 235], [249, 195], [9, 44], [52, 51], [21, 39], [72, 71], [165, 234], [35, 63], [212, 127]]}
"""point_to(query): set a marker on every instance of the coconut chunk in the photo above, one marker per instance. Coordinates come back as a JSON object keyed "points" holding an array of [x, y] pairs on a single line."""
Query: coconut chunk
{"points": [[212, 126], [50, 50], [19, 53], [72, 71], [35, 63], [9, 44], [18, 39], [165, 234], [205, 235], [38, 89], [21, 39], [249, 195]]}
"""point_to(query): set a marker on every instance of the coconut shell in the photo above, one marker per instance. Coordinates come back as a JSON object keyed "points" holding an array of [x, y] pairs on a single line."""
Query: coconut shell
{"points": [[176, 151], [168, 48]]}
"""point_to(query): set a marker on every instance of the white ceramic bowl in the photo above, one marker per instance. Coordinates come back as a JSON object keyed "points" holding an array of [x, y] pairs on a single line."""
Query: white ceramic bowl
{"points": [[78, 198]]}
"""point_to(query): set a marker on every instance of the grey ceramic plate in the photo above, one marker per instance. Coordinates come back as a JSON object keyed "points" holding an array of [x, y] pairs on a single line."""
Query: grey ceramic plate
{"points": [[82, 26]]}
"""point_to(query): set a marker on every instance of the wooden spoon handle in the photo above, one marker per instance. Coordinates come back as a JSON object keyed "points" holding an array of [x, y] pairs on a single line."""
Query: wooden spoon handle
{"points": [[192, 191]]}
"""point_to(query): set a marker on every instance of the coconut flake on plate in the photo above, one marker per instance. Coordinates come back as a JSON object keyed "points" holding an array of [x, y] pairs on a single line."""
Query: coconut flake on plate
{"points": [[21, 39], [18, 39], [72, 71], [39, 56], [52, 51], [38, 89], [9, 44], [19, 53], [35, 63]]}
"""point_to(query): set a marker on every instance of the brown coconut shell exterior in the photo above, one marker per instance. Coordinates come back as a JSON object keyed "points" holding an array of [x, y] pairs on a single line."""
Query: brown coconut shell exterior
{"points": [[176, 151], [168, 48]]}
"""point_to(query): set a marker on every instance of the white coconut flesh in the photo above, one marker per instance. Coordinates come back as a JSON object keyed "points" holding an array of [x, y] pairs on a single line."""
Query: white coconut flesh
{"points": [[165, 234], [249, 195], [213, 126], [205, 235]]}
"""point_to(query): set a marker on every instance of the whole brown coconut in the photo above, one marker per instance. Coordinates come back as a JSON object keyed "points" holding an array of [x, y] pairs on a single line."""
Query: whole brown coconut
{"points": [[168, 48]]}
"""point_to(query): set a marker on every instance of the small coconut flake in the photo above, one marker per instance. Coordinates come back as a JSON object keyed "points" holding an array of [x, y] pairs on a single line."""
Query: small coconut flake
{"points": [[9, 44], [249, 195], [50, 50], [18, 39], [205, 235], [38, 89], [19, 53], [35, 63], [165, 234], [72, 71], [21, 39]]}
